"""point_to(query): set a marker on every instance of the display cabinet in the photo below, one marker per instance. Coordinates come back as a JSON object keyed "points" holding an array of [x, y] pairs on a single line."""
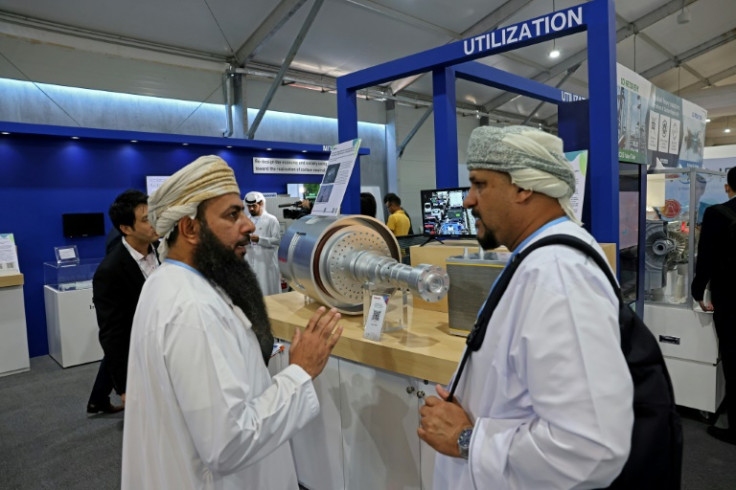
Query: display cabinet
{"points": [[13, 337], [71, 323], [676, 201]]}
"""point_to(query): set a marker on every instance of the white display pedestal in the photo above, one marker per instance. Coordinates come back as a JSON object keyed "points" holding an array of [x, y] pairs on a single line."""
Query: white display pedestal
{"points": [[13, 336], [71, 325], [690, 348]]}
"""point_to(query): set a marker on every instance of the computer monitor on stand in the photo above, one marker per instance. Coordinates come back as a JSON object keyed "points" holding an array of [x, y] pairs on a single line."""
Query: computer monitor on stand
{"points": [[443, 215]]}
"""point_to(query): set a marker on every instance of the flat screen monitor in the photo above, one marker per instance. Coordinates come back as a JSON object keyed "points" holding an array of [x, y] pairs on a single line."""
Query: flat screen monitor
{"points": [[303, 191], [75, 225], [443, 215]]}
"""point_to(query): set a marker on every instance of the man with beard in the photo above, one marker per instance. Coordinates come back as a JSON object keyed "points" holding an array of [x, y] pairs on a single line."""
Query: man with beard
{"points": [[202, 410], [546, 401]]}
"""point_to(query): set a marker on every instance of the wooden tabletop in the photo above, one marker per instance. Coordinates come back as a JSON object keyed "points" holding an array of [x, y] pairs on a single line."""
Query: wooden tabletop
{"points": [[425, 350], [11, 280]]}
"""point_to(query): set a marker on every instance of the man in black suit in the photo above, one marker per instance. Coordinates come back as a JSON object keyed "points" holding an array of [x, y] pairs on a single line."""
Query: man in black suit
{"points": [[116, 287], [715, 251]]}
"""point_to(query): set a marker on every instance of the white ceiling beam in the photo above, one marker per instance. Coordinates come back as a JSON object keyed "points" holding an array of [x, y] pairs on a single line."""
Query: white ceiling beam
{"points": [[710, 81], [487, 23], [285, 65], [495, 18], [402, 17], [80, 38], [698, 50], [622, 33], [266, 29], [647, 39]]}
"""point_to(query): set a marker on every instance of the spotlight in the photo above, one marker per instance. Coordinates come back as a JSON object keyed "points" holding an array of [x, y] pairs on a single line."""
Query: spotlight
{"points": [[555, 53]]}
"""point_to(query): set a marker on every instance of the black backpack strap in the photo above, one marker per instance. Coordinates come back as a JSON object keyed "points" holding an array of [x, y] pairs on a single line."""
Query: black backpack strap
{"points": [[476, 336]]}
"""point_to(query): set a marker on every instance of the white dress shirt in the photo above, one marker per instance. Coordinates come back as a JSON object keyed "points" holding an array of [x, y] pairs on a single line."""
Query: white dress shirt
{"points": [[549, 390], [147, 263], [202, 411]]}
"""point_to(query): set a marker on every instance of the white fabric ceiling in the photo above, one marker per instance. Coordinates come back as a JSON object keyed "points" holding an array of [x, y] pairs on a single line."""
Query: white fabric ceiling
{"points": [[101, 44]]}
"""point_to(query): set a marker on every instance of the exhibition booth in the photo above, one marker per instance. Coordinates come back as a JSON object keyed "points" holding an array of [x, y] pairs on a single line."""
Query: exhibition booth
{"points": [[642, 198]]}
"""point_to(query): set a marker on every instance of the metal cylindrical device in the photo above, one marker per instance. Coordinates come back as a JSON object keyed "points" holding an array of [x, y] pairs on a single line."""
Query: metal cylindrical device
{"points": [[330, 258]]}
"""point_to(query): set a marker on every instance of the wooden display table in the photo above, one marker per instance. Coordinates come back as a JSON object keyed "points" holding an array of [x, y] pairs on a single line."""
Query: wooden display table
{"points": [[425, 350]]}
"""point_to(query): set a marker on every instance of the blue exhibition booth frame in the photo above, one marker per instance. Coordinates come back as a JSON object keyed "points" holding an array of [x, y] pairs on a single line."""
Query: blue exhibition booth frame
{"points": [[576, 127]]}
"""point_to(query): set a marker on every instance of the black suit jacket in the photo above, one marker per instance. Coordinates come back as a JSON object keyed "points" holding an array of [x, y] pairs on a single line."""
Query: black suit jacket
{"points": [[713, 248], [116, 286]]}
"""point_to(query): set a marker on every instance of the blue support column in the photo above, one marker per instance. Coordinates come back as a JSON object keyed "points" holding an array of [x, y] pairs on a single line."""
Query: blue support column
{"points": [[347, 129], [445, 128], [641, 242], [603, 171]]}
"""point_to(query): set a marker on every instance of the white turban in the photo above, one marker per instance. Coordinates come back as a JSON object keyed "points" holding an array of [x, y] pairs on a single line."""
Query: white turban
{"points": [[533, 159], [254, 197], [180, 195]]}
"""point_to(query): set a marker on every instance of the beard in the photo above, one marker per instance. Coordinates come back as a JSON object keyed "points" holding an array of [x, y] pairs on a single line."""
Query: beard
{"points": [[223, 267], [487, 239]]}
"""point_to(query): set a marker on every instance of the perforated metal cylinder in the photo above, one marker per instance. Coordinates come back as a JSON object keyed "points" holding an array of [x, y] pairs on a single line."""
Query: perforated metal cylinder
{"points": [[330, 258]]}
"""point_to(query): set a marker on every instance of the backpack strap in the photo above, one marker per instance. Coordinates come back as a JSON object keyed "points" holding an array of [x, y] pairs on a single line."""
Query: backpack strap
{"points": [[478, 333]]}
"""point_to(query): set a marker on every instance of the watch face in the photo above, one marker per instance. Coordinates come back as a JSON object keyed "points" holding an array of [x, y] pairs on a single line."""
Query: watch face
{"points": [[463, 442]]}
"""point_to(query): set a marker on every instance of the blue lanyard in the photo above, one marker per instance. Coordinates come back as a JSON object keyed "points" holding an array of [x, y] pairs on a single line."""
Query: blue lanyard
{"points": [[537, 232], [517, 250], [182, 264]]}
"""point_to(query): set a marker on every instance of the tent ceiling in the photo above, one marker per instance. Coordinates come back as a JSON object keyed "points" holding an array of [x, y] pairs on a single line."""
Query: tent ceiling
{"points": [[96, 44]]}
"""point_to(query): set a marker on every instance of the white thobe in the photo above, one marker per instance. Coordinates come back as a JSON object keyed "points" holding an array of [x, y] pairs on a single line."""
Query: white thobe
{"points": [[263, 255], [202, 411], [549, 391]]}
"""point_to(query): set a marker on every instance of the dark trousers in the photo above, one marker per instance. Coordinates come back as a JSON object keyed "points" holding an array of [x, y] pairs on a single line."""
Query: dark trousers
{"points": [[725, 322], [100, 396]]}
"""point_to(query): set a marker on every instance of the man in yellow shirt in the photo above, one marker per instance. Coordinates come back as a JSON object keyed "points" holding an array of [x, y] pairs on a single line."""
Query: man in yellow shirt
{"points": [[398, 222]]}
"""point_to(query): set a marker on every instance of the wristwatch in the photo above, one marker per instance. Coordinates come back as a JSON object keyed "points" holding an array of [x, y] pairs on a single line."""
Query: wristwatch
{"points": [[463, 442]]}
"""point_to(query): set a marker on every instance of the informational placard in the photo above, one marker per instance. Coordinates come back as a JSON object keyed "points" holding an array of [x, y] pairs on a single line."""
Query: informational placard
{"points": [[656, 127], [336, 178], [288, 166], [66, 255], [8, 255], [376, 315], [153, 182], [579, 162]]}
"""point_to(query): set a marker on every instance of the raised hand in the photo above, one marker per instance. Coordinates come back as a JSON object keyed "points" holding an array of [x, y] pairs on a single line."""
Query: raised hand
{"points": [[311, 348]]}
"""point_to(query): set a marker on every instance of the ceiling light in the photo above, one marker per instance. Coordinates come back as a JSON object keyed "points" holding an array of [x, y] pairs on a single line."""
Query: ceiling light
{"points": [[304, 151], [75, 137], [229, 146], [268, 149], [5, 132], [727, 130], [555, 53], [134, 141], [707, 120], [185, 144]]}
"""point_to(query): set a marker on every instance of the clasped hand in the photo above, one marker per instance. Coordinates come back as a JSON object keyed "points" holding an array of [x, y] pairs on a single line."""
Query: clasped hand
{"points": [[442, 422]]}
